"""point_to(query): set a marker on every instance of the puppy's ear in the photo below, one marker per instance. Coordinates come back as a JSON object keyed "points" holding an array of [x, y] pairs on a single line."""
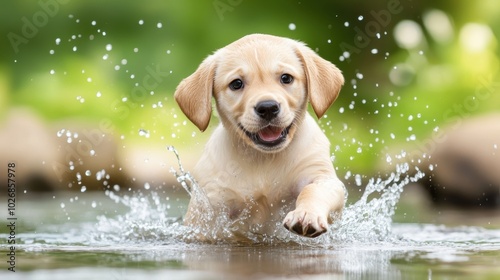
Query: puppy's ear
{"points": [[194, 94], [324, 79]]}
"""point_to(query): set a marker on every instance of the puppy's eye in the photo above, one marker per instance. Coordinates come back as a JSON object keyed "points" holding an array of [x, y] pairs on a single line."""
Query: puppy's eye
{"points": [[236, 84], [286, 79]]}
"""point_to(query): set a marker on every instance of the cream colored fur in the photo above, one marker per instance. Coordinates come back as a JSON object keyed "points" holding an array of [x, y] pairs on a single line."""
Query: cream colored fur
{"points": [[254, 183]]}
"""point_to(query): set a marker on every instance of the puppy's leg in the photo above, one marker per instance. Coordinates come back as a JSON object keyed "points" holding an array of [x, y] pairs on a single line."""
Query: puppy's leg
{"points": [[313, 206]]}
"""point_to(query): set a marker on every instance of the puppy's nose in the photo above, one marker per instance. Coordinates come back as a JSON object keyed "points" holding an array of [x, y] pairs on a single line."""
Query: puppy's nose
{"points": [[268, 109]]}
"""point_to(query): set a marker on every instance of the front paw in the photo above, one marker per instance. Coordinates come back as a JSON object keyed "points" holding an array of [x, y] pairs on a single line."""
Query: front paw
{"points": [[305, 223]]}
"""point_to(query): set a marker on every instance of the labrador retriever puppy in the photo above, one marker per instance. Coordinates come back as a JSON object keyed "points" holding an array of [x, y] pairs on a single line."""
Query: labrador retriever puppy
{"points": [[268, 163]]}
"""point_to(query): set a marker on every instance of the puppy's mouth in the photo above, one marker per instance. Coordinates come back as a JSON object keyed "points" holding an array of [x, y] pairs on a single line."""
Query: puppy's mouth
{"points": [[269, 136]]}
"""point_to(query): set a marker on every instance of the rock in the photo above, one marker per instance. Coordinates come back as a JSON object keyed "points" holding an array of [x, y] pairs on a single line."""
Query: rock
{"points": [[26, 141], [87, 156], [463, 168], [70, 155]]}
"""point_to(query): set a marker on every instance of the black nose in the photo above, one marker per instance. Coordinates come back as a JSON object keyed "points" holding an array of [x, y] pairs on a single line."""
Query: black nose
{"points": [[268, 109]]}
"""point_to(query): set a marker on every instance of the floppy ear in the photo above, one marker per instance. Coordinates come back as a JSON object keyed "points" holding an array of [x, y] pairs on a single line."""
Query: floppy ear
{"points": [[194, 94], [324, 80]]}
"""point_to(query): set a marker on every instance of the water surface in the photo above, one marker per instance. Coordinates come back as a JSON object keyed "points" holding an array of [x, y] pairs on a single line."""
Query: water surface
{"points": [[93, 236]]}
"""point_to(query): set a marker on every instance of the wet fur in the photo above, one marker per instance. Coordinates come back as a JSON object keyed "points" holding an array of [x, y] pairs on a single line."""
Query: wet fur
{"points": [[239, 176]]}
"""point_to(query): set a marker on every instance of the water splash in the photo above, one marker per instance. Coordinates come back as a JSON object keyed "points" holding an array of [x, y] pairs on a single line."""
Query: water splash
{"points": [[147, 220], [369, 220]]}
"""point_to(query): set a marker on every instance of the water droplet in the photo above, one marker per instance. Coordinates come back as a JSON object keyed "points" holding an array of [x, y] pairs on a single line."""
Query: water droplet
{"points": [[159, 25], [358, 181], [58, 41], [388, 159], [374, 51], [51, 51], [124, 61], [62, 205], [88, 173], [109, 47], [147, 186], [360, 18], [346, 24], [141, 22], [144, 133], [75, 48], [83, 189], [292, 26], [94, 204], [52, 72], [98, 94]]}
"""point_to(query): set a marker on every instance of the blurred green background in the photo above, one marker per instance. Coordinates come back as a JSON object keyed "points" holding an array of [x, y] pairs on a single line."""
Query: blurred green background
{"points": [[409, 65]]}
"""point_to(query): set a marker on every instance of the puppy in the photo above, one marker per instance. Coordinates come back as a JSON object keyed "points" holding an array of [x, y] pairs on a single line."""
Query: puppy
{"points": [[268, 163]]}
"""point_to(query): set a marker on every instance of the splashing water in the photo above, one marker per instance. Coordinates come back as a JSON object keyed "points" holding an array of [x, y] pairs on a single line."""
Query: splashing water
{"points": [[366, 221]]}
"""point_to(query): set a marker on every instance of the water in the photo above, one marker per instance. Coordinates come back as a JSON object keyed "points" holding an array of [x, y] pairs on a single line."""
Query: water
{"points": [[127, 235]]}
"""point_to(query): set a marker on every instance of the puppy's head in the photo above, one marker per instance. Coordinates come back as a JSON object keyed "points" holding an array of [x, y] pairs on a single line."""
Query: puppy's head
{"points": [[261, 84]]}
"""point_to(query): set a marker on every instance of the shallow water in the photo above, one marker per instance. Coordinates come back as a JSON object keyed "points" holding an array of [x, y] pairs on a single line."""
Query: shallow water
{"points": [[94, 236]]}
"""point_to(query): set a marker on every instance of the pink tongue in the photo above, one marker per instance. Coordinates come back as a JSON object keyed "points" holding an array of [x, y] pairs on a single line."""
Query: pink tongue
{"points": [[270, 133]]}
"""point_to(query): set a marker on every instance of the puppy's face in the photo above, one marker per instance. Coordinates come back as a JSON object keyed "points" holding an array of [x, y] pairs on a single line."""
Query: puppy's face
{"points": [[261, 84], [260, 92]]}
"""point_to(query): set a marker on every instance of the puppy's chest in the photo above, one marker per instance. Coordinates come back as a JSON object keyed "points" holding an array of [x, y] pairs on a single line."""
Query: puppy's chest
{"points": [[252, 181]]}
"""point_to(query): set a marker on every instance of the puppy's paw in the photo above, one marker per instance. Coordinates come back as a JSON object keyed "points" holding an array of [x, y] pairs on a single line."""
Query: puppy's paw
{"points": [[306, 223]]}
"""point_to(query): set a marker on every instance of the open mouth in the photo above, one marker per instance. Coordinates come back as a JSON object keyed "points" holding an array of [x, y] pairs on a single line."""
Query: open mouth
{"points": [[269, 136]]}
